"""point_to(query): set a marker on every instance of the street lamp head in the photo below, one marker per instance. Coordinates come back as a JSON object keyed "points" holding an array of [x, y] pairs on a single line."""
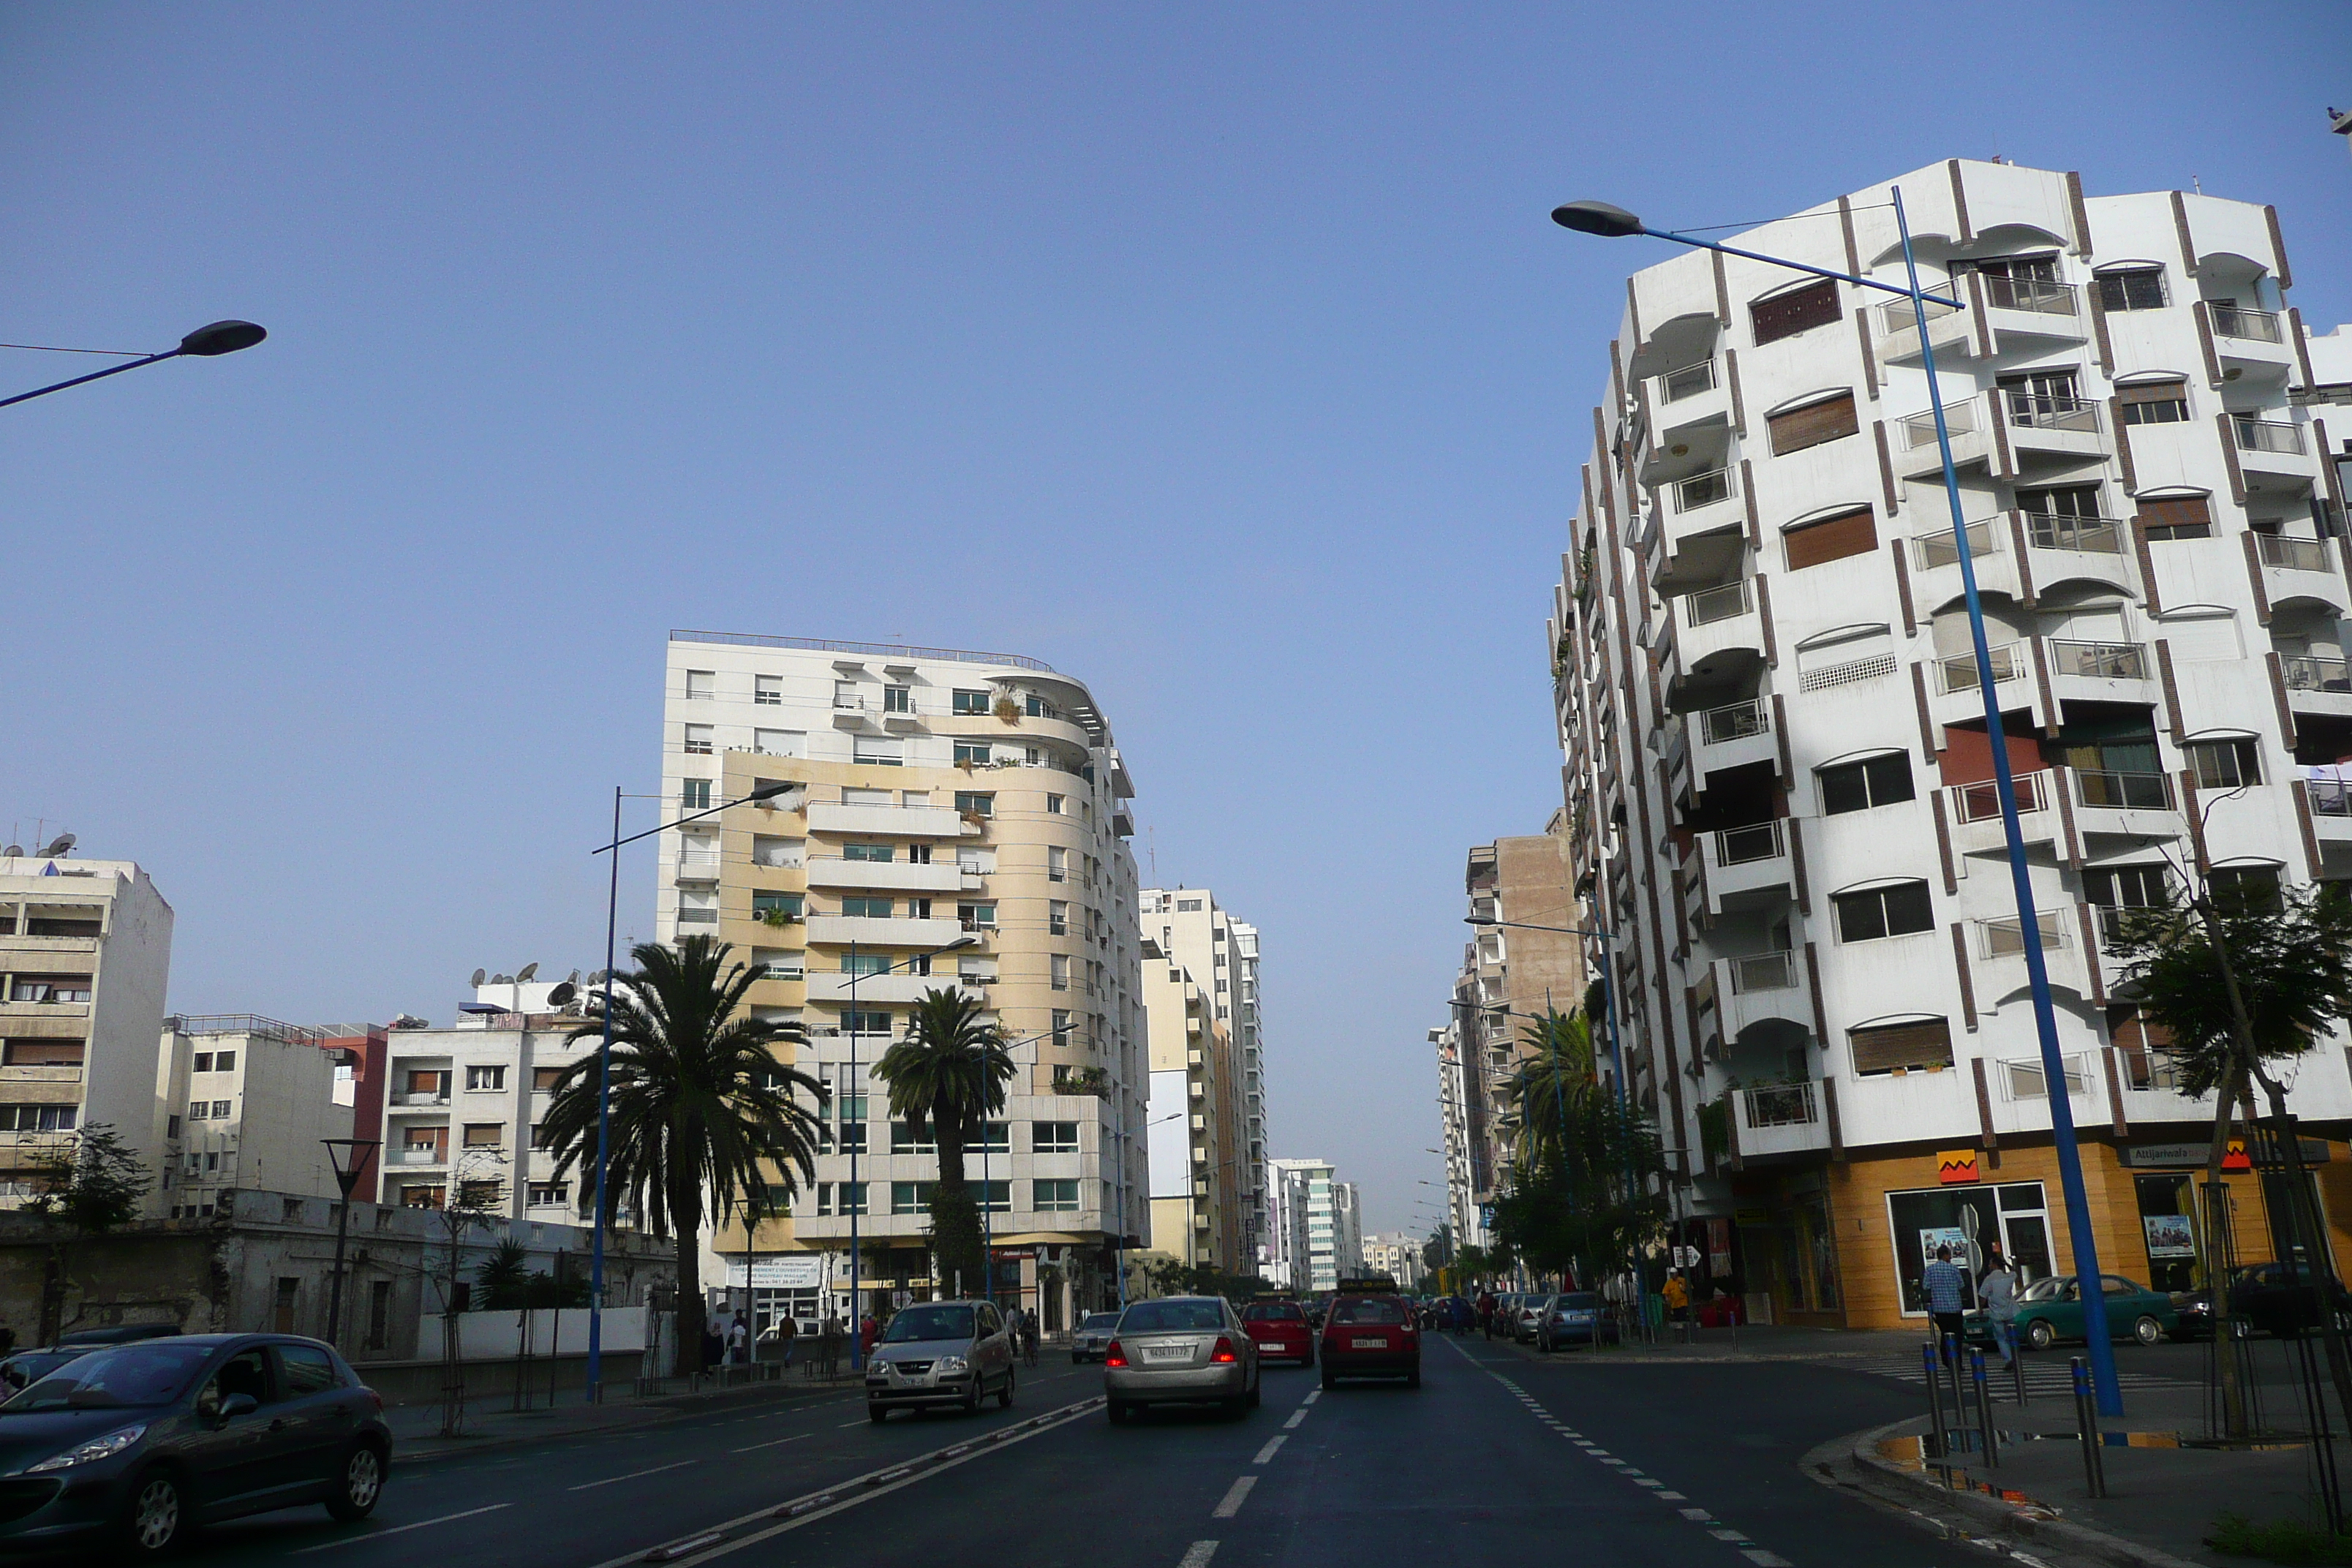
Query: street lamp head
{"points": [[770, 791], [222, 338], [966, 939], [1597, 217], [1479, 921]]}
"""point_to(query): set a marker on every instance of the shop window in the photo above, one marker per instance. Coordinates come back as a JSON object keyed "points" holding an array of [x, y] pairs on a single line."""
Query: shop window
{"points": [[2013, 1215]]}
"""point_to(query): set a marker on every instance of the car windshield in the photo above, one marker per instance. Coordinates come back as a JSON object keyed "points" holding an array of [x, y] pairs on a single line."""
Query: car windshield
{"points": [[1100, 1322], [134, 1375], [1579, 1301], [1272, 1312], [2046, 1289], [1366, 1312], [1148, 1317], [929, 1323]]}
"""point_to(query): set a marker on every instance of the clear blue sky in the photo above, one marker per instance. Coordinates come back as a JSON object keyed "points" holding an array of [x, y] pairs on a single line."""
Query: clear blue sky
{"points": [[1225, 360]]}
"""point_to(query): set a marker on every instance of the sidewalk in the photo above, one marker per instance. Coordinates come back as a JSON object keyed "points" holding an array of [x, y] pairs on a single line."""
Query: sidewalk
{"points": [[1755, 1342], [2164, 1487], [490, 1421]]}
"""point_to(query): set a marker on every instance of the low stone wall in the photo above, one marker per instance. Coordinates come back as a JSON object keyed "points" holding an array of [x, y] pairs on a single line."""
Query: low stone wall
{"points": [[493, 1382]]}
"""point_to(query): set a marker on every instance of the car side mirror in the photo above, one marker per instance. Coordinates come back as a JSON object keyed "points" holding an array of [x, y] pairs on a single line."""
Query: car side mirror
{"points": [[237, 1404]]}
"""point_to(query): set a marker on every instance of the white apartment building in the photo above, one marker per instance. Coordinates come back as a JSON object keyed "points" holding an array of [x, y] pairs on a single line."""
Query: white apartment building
{"points": [[1207, 1112], [1461, 1148], [462, 1105], [1323, 1237], [1778, 767], [957, 818], [84, 960], [244, 1102], [1396, 1254]]}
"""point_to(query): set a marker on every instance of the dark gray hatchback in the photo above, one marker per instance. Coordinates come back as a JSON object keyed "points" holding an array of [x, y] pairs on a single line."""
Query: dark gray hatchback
{"points": [[139, 1442]]}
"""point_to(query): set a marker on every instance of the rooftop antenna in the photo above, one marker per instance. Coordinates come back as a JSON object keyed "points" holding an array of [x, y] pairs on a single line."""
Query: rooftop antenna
{"points": [[2197, 185], [1151, 848]]}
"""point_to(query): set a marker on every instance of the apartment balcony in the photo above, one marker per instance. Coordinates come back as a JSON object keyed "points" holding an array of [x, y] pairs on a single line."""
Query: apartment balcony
{"points": [[1701, 503], [1972, 814], [2317, 684], [1953, 693], [1732, 736], [1997, 954], [2021, 1100], [2251, 342], [2034, 308], [882, 990], [837, 930], [1949, 332], [2051, 429], [885, 875], [2275, 449], [2131, 805], [1718, 648], [1761, 987], [2300, 569], [698, 866], [887, 821], [415, 1157], [1780, 1119], [2083, 671], [1934, 563], [2331, 810], [1692, 396], [420, 1099], [1747, 867]]}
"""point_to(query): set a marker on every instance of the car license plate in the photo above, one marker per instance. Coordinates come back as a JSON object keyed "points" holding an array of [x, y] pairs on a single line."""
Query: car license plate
{"points": [[1168, 1352], [1369, 1344]]}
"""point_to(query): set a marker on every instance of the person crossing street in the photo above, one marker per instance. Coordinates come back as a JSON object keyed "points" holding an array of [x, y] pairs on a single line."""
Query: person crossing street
{"points": [[1946, 1285]]}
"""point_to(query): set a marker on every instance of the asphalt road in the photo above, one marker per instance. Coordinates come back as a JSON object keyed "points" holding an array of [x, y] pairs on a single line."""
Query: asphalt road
{"points": [[1499, 1456]]}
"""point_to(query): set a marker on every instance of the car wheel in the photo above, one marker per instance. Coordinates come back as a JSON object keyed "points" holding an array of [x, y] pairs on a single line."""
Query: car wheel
{"points": [[1004, 1394], [979, 1389], [1117, 1412], [154, 1516], [1413, 1378], [1329, 1382], [2040, 1334], [2146, 1330], [1256, 1392], [877, 1414], [359, 1486]]}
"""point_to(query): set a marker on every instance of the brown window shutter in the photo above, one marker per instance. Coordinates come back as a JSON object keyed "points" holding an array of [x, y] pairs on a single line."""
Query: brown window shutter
{"points": [[1786, 315], [2177, 517], [1832, 539], [2153, 392], [1902, 1046], [1831, 419]]}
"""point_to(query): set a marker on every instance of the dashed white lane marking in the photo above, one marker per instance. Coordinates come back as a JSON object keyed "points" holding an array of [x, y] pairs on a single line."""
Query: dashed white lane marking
{"points": [[397, 1530], [1197, 1556], [777, 1443], [1312, 1395], [1671, 1496], [862, 1421], [1232, 1502], [1696, 1513], [632, 1475], [1763, 1559], [1296, 1417], [1728, 1534], [1267, 1454]]}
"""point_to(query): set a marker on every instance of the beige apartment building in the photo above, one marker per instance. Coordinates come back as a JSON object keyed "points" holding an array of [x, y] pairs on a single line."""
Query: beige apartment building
{"points": [[1204, 1181], [956, 819]]}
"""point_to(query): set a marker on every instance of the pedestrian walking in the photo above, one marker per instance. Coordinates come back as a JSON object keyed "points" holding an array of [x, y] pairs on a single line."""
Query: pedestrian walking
{"points": [[1997, 1288], [1486, 1313], [1029, 1336], [1946, 1284], [739, 1341], [787, 1330], [869, 1333], [829, 1343], [1676, 1295]]}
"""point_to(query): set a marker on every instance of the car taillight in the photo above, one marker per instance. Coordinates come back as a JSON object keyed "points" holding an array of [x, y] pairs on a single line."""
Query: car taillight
{"points": [[1224, 1351], [1114, 1356]]}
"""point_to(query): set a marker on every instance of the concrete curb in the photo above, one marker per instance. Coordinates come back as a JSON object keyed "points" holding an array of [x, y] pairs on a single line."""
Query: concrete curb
{"points": [[1854, 1461]]}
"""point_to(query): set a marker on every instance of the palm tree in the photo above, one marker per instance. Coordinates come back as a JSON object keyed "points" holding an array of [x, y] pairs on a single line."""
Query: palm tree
{"points": [[946, 1078], [1556, 1071], [699, 1104]]}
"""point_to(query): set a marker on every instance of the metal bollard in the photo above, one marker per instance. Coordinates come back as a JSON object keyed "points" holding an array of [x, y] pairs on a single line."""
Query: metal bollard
{"points": [[2017, 1363], [1935, 1400], [2086, 1422], [1984, 1409], [1952, 1362]]}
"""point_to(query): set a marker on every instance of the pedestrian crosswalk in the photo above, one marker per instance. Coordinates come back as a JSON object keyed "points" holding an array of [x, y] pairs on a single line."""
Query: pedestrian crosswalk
{"points": [[2046, 1377]]}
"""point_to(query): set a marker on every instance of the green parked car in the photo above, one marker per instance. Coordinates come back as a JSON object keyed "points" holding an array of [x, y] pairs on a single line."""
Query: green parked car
{"points": [[2052, 1310]]}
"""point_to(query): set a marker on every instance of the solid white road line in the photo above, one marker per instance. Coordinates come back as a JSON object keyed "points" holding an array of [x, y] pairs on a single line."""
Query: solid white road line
{"points": [[1197, 1556], [1266, 1453], [1232, 1504], [398, 1530], [1296, 1417], [632, 1475], [777, 1443]]}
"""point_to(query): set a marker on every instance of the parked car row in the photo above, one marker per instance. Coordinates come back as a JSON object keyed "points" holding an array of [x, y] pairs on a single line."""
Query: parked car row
{"points": [[2265, 1297]]}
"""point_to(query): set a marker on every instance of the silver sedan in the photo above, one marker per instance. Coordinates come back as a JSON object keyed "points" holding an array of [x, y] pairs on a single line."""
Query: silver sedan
{"points": [[1179, 1350]]}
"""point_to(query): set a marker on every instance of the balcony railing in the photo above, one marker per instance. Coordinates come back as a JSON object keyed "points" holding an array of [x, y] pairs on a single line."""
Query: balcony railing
{"points": [[1919, 430], [2033, 294], [2283, 549], [2098, 660], [418, 1155], [2092, 536], [1764, 971], [2022, 1078], [2115, 791], [1899, 316], [2039, 411], [1704, 490], [2316, 672], [2268, 435], [2329, 795], [1780, 1105], [1742, 845], [1688, 382], [1715, 603], [1929, 551], [2005, 937], [2232, 321], [1980, 801], [1734, 721], [1959, 672]]}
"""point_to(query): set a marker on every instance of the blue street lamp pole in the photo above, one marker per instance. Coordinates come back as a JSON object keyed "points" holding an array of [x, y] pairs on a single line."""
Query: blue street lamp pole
{"points": [[1611, 222], [595, 1380]]}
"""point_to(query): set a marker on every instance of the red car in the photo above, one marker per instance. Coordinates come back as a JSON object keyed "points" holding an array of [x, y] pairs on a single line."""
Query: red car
{"points": [[1281, 1330], [1370, 1336]]}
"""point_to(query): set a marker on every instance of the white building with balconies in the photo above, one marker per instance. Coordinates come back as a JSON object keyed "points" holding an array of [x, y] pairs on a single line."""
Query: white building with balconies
{"points": [[1778, 769]]}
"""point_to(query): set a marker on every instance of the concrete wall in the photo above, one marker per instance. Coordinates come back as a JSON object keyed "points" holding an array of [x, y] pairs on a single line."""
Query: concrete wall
{"points": [[134, 969]]}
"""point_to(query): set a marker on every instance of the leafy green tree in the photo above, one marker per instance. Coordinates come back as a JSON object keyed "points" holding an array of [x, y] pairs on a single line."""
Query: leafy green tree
{"points": [[701, 1109], [502, 1281], [1578, 1201], [1437, 1252], [946, 1078], [87, 1186]]}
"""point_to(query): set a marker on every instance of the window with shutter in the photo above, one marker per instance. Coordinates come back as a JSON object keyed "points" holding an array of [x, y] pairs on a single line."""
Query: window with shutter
{"points": [[2177, 517], [1831, 419], [1830, 539], [1891, 1048], [2155, 402], [1784, 315], [1899, 908]]}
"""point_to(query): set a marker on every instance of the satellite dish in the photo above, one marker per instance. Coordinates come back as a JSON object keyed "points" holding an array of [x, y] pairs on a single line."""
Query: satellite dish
{"points": [[523, 975], [574, 978], [481, 975], [60, 844], [15, 850], [502, 979], [564, 991]]}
